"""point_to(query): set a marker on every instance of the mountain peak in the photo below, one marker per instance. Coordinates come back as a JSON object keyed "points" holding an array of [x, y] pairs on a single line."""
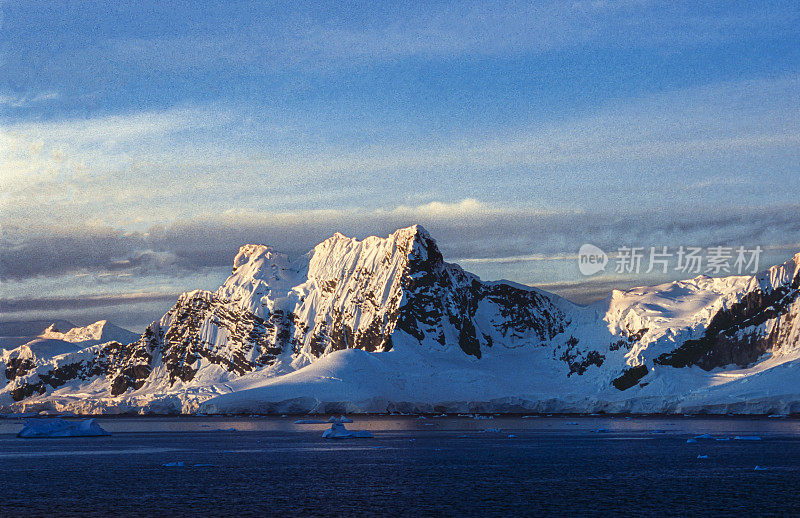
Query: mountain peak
{"points": [[257, 256]]}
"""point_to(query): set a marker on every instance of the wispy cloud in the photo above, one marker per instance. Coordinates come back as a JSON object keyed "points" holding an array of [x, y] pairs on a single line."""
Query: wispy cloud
{"points": [[468, 231], [14, 305], [141, 168], [313, 37], [22, 101]]}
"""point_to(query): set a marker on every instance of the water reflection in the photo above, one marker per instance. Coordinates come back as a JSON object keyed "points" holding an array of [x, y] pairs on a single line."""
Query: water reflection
{"points": [[531, 424]]}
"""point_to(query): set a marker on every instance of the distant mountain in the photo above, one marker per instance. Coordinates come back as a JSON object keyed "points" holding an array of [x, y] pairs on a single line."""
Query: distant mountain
{"points": [[14, 334], [101, 331], [385, 324]]}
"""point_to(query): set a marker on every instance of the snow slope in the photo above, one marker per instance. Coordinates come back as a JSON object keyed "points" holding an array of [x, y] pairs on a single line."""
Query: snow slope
{"points": [[386, 324], [100, 332]]}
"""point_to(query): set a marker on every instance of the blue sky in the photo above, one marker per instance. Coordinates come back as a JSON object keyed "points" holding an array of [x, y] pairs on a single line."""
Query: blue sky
{"points": [[141, 144]]}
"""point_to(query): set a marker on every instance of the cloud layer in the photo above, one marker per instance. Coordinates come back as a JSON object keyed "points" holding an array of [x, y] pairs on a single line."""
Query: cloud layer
{"points": [[468, 230]]}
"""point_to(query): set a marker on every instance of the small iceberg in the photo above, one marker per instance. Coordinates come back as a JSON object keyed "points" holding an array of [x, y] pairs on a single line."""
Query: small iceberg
{"points": [[691, 441], [747, 438], [703, 436], [173, 465], [47, 428], [759, 468], [702, 456], [338, 431], [310, 421], [601, 430]]}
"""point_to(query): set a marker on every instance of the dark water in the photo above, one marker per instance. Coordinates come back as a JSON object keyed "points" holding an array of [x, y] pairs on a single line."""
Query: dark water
{"points": [[413, 467]]}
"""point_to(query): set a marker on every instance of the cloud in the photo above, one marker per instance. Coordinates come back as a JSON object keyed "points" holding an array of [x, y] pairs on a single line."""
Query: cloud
{"points": [[468, 231], [320, 39], [135, 169], [589, 290], [83, 302], [23, 101], [49, 251]]}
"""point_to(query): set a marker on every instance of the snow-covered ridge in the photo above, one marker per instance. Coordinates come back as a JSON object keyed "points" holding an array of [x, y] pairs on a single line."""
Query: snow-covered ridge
{"points": [[99, 332], [386, 323]]}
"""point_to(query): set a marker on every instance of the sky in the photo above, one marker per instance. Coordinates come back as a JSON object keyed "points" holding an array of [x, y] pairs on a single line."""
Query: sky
{"points": [[141, 143]]}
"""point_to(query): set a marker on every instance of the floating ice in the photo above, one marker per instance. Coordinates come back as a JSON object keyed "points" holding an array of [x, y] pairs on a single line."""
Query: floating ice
{"points": [[691, 441], [601, 430], [703, 436], [44, 428], [310, 421], [702, 456], [173, 465], [778, 416], [512, 436], [338, 430], [747, 438], [759, 468], [492, 430]]}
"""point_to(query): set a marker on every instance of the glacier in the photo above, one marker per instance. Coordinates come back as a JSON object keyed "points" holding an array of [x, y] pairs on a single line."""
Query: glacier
{"points": [[386, 325]]}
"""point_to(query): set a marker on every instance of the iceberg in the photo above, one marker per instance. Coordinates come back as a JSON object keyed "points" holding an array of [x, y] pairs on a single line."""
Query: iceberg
{"points": [[338, 431], [45, 428]]}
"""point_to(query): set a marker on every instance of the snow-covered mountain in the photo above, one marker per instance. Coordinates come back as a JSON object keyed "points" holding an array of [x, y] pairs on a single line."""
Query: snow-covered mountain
{"points": [[385, 324]]}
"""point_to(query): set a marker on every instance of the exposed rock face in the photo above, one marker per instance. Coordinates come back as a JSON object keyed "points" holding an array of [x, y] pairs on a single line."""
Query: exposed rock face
{"points": [[274, 316], [763, 320]]}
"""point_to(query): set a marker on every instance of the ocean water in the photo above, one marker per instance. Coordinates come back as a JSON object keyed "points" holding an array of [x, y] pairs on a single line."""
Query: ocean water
{"points": [[439, 466]]}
